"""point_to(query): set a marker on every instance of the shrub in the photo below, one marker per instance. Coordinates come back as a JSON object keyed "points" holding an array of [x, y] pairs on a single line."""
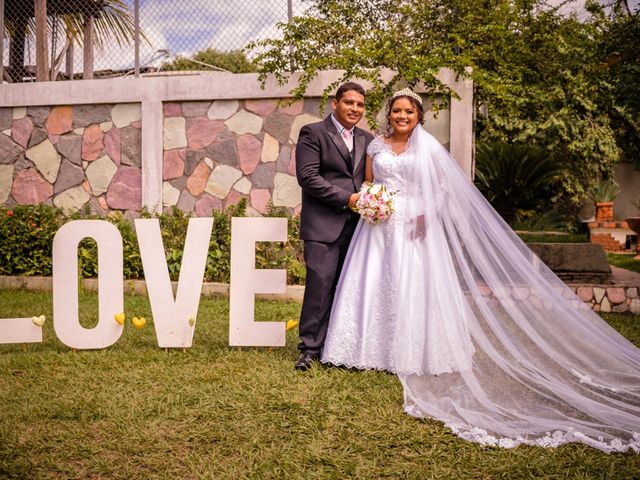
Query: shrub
{"points": [[234, 61], [288, 255], [515, 177], [26, 240]]}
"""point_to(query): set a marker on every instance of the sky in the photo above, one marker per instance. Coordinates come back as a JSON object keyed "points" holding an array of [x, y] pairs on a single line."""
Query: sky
{"points": [[181, 28], [577, 6], [186, 26], [200, 24]]}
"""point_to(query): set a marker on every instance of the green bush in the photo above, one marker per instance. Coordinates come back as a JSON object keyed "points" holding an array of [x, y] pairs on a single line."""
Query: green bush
{"points": [[234, 61], [289, 255], [516, 177], [26, 240], [550, 220]]}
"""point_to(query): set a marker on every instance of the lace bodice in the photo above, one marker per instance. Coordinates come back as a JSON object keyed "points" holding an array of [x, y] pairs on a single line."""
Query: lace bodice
{"points": [[395, 171]]}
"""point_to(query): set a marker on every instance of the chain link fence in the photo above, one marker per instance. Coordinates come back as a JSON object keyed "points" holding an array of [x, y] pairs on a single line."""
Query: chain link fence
{"points": [[109, 38]]}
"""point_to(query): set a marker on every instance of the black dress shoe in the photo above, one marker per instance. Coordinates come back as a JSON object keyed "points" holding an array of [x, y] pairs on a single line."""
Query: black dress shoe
{"points": [[305, 360]]}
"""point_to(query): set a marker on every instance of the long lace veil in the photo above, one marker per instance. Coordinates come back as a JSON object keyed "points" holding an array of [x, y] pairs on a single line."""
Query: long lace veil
{"points": [[529, 363]]}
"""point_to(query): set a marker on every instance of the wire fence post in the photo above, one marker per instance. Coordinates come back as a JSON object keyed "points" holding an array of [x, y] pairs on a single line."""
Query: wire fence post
{"points": [[290, 17], [2, 42], [87, 71], [42, 57], [136, 34], [69, 60]]}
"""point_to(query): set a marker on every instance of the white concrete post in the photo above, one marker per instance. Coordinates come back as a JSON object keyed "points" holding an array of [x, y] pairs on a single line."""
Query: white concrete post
{"points": [[152, 125]]}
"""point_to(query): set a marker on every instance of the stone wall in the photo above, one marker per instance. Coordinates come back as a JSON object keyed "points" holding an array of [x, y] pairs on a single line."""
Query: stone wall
{"points": [[216, 153], [609, 299], [70, 156], [599, 298], [199, 142]]}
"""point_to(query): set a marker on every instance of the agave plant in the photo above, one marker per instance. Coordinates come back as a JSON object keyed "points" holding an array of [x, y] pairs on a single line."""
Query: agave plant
{"points": [[604, 190], [515, 177]]}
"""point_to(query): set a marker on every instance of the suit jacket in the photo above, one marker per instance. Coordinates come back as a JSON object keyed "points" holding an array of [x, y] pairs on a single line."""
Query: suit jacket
{"points": [[324, 171]]}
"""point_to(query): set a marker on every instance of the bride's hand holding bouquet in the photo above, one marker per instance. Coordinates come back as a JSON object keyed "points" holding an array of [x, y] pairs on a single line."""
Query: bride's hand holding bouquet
{"points": [[375, 202]]}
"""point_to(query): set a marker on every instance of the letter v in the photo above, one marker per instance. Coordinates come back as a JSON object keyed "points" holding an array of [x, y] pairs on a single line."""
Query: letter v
{"points": [[171, 316]]}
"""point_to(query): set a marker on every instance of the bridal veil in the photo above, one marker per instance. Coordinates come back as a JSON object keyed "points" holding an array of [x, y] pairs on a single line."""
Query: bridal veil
{"points": [[528, 362]]}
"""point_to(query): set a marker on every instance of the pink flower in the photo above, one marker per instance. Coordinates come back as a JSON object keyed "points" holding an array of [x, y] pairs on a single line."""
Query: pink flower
{"points": [[375, 203]]}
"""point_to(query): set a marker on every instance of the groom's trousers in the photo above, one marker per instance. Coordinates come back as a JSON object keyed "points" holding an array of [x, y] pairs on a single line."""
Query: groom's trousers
{"points": [[324, 263]]}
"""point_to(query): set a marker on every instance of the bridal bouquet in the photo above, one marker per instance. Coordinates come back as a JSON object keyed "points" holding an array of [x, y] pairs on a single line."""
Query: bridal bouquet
{"points": [[375, 203]]}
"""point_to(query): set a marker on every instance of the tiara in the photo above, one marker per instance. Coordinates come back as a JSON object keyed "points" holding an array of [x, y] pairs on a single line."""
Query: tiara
{"points": [[407, 92]]}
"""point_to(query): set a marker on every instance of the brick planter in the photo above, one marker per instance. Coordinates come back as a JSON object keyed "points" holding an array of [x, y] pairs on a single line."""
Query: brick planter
{"points": [[604, 212]]}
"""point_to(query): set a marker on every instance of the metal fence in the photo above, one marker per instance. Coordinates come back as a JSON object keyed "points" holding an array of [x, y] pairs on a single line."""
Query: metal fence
{"points": [[63, 39]]}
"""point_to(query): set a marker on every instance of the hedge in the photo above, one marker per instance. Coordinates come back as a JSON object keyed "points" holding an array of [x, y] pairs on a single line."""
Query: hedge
{"points": [[27, 231]]}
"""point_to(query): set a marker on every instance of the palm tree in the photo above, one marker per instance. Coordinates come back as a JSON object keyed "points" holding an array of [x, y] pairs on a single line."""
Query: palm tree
{"points": [[112, 21]]}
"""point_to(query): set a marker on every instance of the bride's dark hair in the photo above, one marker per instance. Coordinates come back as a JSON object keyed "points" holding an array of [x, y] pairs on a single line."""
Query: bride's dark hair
{"points": [[417, 105]]}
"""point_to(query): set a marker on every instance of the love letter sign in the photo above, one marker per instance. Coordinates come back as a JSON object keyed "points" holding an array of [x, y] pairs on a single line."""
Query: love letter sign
{"points": [[173, 316]]}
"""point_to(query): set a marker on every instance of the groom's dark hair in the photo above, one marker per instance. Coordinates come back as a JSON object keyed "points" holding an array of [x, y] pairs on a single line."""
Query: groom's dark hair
{"points": [[345, 87]]}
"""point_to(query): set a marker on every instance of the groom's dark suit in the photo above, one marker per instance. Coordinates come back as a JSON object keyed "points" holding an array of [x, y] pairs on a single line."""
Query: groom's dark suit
{"points": [[328, 174]]}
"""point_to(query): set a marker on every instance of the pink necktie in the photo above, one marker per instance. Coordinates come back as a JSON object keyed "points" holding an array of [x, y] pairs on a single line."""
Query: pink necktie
{"points": [[348, 138]]}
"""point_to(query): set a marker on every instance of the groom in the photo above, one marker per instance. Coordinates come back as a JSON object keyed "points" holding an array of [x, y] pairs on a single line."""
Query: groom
{"points": [[330, 163]]}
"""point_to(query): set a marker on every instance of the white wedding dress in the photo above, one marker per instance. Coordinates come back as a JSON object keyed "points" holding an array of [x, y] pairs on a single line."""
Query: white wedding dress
{"points": [[378, 298], [482, 335]]}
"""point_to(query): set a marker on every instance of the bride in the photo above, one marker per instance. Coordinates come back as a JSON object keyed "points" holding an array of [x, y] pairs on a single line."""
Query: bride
{"points": [[482, 335]]}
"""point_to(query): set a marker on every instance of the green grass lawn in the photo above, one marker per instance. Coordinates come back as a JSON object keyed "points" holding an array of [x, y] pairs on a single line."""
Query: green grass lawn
{"points": [[135, 411], [624, 261]]}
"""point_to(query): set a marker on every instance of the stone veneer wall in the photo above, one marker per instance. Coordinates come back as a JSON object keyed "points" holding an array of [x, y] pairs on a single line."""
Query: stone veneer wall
{"points": [[609, 299], [69, 156], [216, 153], [599, 298], [199, 142]]}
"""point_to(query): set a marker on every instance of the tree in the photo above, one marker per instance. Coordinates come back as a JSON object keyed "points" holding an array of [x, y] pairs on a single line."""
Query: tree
{"points": [[234, 61], [620, 58], [537, 73], [113, 22]]}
